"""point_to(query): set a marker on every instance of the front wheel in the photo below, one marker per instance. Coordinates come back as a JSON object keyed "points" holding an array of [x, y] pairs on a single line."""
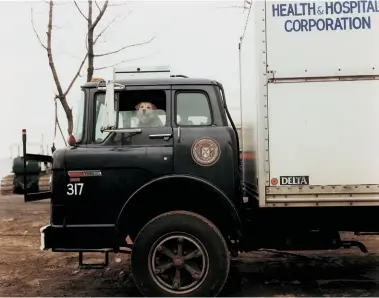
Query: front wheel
{"points": [[180, 253]]}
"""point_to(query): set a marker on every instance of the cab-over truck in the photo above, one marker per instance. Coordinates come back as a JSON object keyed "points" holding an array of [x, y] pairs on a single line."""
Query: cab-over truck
{"points": [[310, 165]]}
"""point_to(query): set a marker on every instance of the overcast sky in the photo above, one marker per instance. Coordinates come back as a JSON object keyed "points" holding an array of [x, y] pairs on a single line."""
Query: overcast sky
{"points": [[195, 38]]}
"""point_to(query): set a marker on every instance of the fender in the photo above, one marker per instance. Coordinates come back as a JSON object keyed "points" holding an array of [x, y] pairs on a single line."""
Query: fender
{"points": [[214, 188]]}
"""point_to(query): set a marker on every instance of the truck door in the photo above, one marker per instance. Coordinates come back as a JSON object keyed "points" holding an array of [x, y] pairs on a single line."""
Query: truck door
{"points": [[203, 142], [126, 160]]}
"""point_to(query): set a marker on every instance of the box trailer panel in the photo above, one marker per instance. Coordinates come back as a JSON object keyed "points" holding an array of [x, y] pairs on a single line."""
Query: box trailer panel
{"points": [[322, 38], [253, 90], [323, 133]]}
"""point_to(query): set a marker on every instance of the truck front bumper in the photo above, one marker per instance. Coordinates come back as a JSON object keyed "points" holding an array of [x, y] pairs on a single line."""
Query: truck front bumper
{"points": [[77, 238], [44, 237]]}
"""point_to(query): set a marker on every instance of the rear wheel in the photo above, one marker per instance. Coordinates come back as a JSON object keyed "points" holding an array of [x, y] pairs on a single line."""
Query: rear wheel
{"points": [[180, 253]]}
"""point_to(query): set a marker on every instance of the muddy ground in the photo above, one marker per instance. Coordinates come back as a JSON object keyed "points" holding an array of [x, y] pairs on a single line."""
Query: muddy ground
{"points": [[26, 271]]}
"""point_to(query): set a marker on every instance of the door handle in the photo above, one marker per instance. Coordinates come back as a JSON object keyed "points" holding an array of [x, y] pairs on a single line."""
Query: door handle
{"points": [[164, 136]]}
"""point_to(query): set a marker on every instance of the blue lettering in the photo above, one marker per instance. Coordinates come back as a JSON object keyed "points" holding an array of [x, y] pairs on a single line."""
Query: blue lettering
{"points": [[329, 8], [363, 6], [353, 5], [337, 7], [293, 9], [372, 6], [275, 10], [287, 26], [328, 24], [366, 23], [297, 26], [348, 9], [283, 11], [338, 24], [345, 7], [304, 25], [311, 8]]}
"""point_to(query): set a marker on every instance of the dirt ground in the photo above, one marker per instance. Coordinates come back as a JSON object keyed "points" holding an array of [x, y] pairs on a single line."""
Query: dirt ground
{"points": [[26, 271]]}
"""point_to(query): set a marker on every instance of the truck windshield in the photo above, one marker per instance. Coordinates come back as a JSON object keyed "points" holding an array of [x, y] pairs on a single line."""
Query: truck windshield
{"points": [[100, 113], [78, 117]]}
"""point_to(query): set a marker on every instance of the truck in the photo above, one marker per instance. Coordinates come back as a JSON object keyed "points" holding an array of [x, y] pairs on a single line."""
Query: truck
{"points": [[37, 173], [182, 199]]}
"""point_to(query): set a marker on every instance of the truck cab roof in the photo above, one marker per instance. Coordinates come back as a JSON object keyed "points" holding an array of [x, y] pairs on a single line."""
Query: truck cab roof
{"points": [[158, 81]]}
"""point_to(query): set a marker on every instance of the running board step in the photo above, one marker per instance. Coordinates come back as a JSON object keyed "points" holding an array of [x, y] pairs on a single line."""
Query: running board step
{"points": [[95, 266]]}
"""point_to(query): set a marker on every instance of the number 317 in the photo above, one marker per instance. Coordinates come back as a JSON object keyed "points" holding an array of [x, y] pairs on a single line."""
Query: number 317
{"points": [[74, 189]]}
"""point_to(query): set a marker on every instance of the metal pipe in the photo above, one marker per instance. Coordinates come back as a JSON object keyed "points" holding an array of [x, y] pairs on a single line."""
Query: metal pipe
{"points": [[24, 160]]}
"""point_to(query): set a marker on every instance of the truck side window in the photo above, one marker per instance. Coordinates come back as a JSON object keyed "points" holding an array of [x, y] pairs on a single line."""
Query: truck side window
{"points": [[193, 109], [142, 109], [136, 108]]}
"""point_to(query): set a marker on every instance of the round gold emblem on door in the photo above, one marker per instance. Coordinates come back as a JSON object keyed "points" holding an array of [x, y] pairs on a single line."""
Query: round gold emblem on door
{"points": [[205, 152]]}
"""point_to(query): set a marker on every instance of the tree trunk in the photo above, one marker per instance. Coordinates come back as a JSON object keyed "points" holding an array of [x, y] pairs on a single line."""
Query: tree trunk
{"points": [[61, 95], [68, 113], [90, 43], [90, 55]]}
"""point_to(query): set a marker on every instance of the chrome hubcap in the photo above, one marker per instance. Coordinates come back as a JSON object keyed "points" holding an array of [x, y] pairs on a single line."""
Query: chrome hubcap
{"points": [[178, 263]]}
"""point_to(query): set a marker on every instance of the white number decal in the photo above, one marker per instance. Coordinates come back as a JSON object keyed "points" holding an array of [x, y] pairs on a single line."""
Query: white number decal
{"points": [[74, 189]]}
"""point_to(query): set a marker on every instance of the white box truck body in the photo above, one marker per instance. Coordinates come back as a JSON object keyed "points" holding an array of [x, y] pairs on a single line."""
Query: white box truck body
{"points": [[310, 103]]}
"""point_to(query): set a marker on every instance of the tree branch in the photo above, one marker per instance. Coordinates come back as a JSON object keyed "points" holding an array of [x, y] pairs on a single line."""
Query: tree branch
{"points": [[49, 51], [107, 26], [118, 4], [60, 129], [76, 75], [102, 11], [68, 54], [125, 47], [118, 63], [98, 7], [102, 31], [57, 122], [35, 31], [77, 6]]}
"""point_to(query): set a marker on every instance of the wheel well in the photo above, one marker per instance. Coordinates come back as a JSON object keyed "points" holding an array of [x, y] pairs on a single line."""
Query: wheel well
{"points": [[179, 193]]}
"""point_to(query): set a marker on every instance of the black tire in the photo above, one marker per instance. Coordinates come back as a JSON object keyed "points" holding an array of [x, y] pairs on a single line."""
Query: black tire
{"points": [[32, 189], [192, 231], [33, 167]]}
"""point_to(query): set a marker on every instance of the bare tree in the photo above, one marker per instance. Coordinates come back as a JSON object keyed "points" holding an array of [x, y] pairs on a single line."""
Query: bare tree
{"points": [[89, 56]]}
